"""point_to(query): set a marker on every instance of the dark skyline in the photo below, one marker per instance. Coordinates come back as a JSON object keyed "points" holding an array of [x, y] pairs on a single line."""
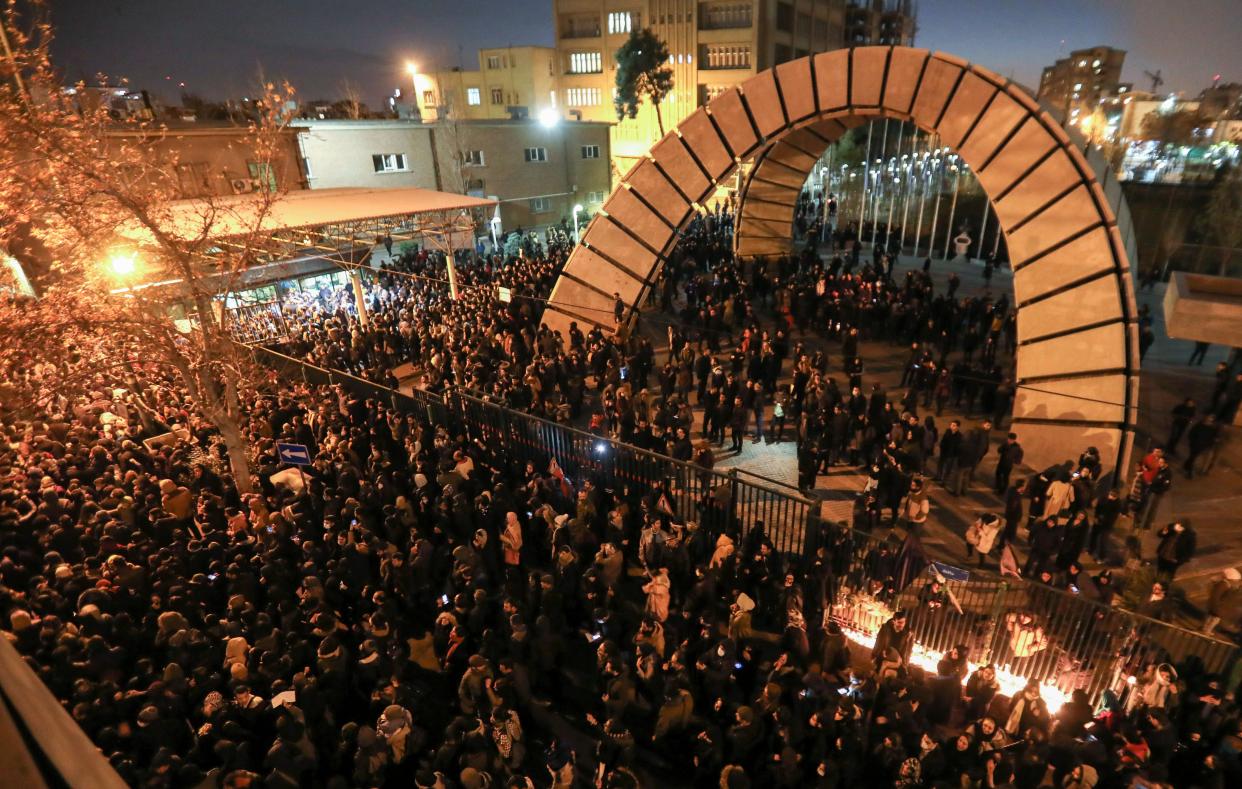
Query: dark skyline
{"points": [[218, 48]]}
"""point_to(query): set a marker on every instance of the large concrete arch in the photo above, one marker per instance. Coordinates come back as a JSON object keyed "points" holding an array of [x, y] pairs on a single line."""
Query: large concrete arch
{"points": [[1067, 230]]}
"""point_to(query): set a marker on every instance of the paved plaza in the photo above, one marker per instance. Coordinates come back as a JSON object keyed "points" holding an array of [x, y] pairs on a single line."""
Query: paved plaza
{"points": [[1210, 502]]}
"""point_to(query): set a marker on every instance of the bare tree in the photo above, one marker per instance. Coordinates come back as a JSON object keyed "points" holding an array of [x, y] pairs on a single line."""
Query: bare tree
{"points": [[352, 103], [107, 207], [1221, 220]]}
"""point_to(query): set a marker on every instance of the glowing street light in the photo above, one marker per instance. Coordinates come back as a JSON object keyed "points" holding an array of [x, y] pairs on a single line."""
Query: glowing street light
{"points": [[549, 117], [123, 264], [577, 208]]}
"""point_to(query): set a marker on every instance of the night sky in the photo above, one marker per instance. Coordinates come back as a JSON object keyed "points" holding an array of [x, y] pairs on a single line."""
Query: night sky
{"points": [[217, 47]]}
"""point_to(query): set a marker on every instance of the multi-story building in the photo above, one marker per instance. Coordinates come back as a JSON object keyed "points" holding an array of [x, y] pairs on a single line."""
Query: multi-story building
{"points": [[713, 45], [879, 22], [1074, 86], [1221, 100], [537, 172], [511, 82]]}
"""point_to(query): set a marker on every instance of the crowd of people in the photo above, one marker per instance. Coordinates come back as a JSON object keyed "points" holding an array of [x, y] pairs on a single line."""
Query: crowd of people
{"points": [[420, 609]]}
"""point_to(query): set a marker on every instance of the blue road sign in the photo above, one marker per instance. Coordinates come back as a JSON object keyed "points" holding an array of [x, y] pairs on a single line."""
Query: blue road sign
{"points": [[951, 573], [294, 454]]}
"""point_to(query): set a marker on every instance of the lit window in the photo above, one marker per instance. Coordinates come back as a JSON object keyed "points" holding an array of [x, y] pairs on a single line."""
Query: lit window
{"points": [[585, 63], [1077, 86], [429, 97], [389, 162], [1095, 63], [474, 97], [621, 22]]}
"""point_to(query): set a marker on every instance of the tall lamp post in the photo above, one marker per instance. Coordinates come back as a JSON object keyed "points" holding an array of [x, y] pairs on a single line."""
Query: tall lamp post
{"points": [[577, 208]]}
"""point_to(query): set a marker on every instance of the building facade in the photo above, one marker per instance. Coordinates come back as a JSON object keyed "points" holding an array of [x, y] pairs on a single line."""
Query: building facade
{"points": [[216, 160], [1074, 86], [510, 82], [537, 172], [713, 45], [880, 23], [375, 154]]}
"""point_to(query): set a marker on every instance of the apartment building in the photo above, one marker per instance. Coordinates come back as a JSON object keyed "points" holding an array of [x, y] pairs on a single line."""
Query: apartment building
{"points": [[510, 82], [1074, 86], [879, 22], [713, 45]]}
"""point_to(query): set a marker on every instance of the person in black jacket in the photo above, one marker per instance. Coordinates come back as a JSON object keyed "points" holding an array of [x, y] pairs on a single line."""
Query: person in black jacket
{"points": [[1182, 414], [1202, 437], [1014, 512], [1045, 544], [1107, 510], [974, 450], [1010, 457], [893, 635], [950, 451], [1177, 546]]}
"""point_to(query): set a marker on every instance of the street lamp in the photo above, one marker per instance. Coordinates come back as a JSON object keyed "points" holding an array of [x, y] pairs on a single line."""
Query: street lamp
{"points": [[549, 117], [577, 208], [123, 264]]}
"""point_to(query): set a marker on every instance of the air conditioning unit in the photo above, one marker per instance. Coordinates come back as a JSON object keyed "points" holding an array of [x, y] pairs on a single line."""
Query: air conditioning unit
{"points": [[242, 185]]}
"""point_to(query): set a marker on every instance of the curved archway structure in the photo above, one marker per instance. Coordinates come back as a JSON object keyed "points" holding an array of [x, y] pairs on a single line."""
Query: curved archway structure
{"points": [[1067, 230]]}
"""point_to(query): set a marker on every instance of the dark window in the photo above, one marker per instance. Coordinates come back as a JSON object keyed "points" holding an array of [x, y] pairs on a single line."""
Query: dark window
{"points": [[784, 17]]}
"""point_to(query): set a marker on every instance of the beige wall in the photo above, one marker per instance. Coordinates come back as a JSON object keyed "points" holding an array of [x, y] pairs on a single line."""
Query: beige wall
{"points": [[339, 153], [209, 159], [564, 179]]}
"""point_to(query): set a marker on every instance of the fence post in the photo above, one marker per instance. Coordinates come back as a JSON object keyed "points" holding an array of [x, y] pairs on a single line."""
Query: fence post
{"points": [[998, 605], [735, 505]]}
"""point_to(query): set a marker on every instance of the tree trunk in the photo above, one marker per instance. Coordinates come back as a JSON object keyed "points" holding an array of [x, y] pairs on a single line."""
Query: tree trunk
{"points": [[659, 118], [239, 461]]}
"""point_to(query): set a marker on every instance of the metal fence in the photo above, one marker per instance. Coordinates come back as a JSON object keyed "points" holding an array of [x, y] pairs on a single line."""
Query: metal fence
{"points": [[1084, 644], [1026, 629]]}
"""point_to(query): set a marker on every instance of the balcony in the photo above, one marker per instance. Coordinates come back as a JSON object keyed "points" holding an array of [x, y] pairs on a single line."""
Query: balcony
{"points": [[724, 57], [580, 28], [730, 16]]}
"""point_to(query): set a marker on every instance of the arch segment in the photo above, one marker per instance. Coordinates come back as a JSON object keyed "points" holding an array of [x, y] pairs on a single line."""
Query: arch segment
{"points": [[1067, 229]]}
